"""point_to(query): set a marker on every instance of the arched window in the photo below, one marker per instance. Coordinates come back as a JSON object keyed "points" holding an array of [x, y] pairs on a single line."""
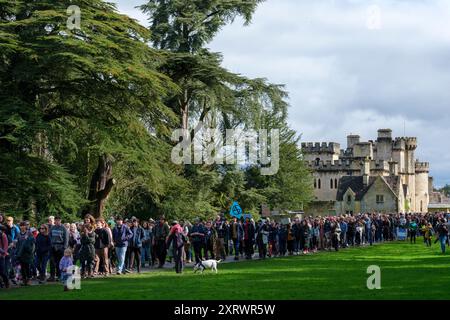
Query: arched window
{"points": [[315, 183], [317, 161], [331, 183], [335, 184], [319, 184]]}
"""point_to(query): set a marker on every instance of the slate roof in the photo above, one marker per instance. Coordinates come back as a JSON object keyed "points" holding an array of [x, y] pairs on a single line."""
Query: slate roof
{"points": [[356, 184]]}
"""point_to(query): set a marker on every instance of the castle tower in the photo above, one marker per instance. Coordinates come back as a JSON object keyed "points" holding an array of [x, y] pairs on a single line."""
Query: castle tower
{"points": [[410, 170], [384, 145], [422, 195]]}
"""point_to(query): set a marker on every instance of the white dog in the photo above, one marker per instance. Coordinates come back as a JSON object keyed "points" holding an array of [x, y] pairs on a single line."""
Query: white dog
{"points": [[212, 264]]}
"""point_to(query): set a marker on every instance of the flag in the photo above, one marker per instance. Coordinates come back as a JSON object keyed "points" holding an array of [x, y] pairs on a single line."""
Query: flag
{"points": [[235, 210]]}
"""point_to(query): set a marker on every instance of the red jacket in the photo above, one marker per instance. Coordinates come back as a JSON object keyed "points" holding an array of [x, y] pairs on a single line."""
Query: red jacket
{"points": [[3, 245]]}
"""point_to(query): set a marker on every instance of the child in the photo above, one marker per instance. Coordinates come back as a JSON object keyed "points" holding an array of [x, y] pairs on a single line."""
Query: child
{"points": [[427, 234], [65, 263]]}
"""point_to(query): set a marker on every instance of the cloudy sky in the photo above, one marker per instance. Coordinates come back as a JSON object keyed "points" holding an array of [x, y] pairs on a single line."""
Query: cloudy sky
{"points": [[351, 66]]}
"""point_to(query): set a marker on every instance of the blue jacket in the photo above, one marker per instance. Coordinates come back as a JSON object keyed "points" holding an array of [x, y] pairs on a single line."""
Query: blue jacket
{"points": [[138, 236], [12, 233], [343, 225], [121, 236], [198, 229]]}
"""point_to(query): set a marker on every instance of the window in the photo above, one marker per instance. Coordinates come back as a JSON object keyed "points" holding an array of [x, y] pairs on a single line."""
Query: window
{"points": [[315, 183], [335, 184], [349, 198], [331, 183], [421, 206], [319, 184], [317, 161], [380, 198]]}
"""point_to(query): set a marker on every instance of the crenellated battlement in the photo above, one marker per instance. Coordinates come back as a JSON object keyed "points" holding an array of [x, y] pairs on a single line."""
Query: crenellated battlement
{"points": [[422, 167], [321, 147], [346, 165], [405, 143]]}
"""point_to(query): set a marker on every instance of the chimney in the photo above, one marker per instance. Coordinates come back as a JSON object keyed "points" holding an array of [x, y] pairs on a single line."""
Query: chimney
{"points": [[393, 168], [352, 140], [366, 171]]}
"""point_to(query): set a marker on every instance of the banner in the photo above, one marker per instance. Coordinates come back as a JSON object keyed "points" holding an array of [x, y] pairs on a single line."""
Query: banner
{"points": [[401, 234]]}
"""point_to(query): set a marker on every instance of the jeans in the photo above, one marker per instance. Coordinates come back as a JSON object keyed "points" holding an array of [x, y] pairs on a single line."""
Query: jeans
{"points": [[178, 257], [41, 263], [197, 251], [443, 241], [297, 245], [235, 243], [135, 256], [146, 255], [55, 257], [120, 252]]}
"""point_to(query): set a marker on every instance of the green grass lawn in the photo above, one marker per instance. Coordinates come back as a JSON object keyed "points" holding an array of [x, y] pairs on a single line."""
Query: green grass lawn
{"points": [[407, 272]]}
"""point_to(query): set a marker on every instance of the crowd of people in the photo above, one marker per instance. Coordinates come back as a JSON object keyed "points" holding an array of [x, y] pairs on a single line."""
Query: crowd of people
{"points": [[118, 246]]}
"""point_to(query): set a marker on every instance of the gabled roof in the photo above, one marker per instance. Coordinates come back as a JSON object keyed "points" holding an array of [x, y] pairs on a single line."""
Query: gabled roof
{"points": [[356, 184]]}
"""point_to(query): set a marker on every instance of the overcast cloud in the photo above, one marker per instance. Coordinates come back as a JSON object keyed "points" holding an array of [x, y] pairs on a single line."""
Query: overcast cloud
{"points": [[347, 71]]}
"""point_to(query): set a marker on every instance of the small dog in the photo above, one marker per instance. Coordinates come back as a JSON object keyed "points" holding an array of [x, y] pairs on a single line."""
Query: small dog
{"points": [[207, 264]]}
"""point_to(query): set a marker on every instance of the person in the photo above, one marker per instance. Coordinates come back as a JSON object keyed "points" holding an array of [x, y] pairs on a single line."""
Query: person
{"points": [[161, 231], [220, 227], [413, 231], [262, 236], [89, 219], [427, 234], [43, 249], [135, 245], [64, 265], [101, 248], [249, 236], [197, 235], [121, 235], [282, 239], [236, 232], [176, 240], [25, 252], [74, 242], [210, 240], [187, 245], [3, 255], [12, 231], [87, 250], [146, 245], [305, 236], [443, 233], [59, 237], [151, 226]]}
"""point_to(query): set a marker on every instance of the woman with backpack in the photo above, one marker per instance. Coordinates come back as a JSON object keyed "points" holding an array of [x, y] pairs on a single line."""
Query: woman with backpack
{"points": [[176, 241]]}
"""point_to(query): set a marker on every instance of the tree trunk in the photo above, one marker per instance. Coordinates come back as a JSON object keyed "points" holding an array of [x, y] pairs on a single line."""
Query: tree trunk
{"points": [[101, 186]]}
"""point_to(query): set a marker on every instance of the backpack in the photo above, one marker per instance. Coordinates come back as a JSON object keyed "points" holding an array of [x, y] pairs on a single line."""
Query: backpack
{"points": [[181, 239]]}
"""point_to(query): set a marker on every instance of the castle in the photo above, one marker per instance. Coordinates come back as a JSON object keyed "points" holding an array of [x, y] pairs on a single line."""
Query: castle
{"points": [[372, 176]]}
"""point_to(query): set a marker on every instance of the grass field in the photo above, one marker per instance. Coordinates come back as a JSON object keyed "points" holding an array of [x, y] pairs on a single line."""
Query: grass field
{"points": [[407, 272]]}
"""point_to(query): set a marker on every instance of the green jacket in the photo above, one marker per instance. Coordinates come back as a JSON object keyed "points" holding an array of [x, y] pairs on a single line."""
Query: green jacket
{"points": [[26, 247], [161, 232]]}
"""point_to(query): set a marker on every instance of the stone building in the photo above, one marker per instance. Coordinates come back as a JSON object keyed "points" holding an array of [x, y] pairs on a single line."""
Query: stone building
{"points": [[381, 175]]}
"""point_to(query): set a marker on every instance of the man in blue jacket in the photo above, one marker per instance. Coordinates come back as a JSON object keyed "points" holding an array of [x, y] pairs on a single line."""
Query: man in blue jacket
{"points": [[197, 235], [121, 235], [59, 238], [12, 232], [136, 245]]}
